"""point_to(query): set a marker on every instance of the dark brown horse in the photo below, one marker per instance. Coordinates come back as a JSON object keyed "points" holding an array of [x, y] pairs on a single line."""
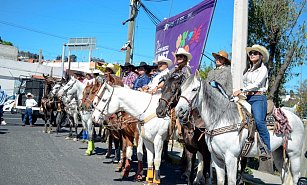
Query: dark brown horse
{"points": [[194, 140], [50, 105]]}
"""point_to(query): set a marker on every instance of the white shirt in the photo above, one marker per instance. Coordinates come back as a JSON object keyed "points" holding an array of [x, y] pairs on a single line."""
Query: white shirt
{"points": [[87, 82], [155, 80], [30, 103], [256, 80]]}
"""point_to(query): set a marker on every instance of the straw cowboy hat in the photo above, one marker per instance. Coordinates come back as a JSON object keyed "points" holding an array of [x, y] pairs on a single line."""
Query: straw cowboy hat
{"points": [[222, 54], [264, 52], [29, 94], [110, 66], [182, 51], [164, 59]]}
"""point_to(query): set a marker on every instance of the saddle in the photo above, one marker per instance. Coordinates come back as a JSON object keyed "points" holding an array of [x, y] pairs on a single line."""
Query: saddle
{"points": [[275, 120]]}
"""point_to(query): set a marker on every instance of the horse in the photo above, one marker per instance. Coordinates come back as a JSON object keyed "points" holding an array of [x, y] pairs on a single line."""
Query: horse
{"points": [[220, 114], [153, 129], [71, 106], [49, 105], [123, 128], [194, 140]]}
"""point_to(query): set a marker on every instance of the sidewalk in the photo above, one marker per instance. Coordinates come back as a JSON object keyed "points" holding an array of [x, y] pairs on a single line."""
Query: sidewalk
{"points": [[256, 178]]}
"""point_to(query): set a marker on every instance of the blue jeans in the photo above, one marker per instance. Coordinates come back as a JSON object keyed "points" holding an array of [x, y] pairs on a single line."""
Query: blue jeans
{"points": [[259, 109], [1, 113], [28, 113]]}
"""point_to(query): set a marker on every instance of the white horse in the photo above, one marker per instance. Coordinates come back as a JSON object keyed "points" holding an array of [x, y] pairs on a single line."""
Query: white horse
{"points": [[141, 106], [218, 112], [75, 88]]}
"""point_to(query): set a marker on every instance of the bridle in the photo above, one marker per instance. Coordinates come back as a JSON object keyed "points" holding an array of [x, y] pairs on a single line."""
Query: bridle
{"points": [[107, 104], [174, 98], [70, 87]]}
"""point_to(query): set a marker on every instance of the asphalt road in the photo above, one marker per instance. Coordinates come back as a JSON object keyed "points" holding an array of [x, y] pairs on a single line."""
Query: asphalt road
{"points": [[29, 156]]}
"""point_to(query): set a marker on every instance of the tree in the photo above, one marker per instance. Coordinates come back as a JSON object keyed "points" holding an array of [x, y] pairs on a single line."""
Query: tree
{"points": [[276, 25]]}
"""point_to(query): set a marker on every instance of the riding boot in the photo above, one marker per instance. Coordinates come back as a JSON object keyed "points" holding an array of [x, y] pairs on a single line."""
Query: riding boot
{"points": [[139, 173], [265, 153]]}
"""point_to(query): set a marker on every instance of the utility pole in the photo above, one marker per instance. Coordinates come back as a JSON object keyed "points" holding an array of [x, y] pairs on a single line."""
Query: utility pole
{"points": [[132, 16], [40, 56], [239, 42]]}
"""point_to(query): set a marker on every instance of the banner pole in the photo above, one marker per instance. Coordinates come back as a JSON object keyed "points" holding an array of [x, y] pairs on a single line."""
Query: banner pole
{"points": [[203, 51]]}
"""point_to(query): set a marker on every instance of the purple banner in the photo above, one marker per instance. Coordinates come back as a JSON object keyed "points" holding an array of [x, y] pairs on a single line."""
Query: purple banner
{"points": [[186, 30]]}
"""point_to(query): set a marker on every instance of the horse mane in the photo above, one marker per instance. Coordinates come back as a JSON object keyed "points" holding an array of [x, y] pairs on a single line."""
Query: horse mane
{"points": [[218, 107]]}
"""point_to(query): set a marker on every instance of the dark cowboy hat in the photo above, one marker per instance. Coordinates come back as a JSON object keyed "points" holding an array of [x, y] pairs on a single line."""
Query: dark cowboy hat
{"points": [[128, 65], [144, 66]]}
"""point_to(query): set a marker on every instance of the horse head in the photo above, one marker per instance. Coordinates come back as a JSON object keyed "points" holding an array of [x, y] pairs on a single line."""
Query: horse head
{"points": [[170, 95], [189, 93], [107, 105]]}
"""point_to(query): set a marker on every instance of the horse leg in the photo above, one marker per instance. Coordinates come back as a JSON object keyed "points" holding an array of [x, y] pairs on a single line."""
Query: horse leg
{"points": [[50, 122], [231, 167], [139, 173], [243, 164], [90, 144], [129, 152], [116, 158], [150, 166], [200, 167], [122, 162], [295, 165], [45, 128], [207, 161], [110, 142], [75, 118], [220, 170], [188, 160], [158, 147]]}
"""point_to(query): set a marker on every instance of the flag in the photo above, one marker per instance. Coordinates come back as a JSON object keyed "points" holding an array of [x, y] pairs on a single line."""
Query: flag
{"points": [[186, 30]]}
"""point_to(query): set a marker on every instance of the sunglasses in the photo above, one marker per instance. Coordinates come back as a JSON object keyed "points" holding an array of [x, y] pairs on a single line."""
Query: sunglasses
{"points": [[254, 53]]}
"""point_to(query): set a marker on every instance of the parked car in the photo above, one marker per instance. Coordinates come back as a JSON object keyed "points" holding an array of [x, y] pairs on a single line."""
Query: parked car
{"points": [[9, 105]]}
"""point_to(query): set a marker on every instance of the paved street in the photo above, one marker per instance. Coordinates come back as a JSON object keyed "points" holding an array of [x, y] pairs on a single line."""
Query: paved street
{"points": [[29, 156]]}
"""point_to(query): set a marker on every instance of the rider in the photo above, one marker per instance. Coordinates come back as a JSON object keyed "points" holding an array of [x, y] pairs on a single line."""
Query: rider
{"points": [[222, 72], [143, 79], [163, 64], [255, 84], [182, 68], [129, 74]]}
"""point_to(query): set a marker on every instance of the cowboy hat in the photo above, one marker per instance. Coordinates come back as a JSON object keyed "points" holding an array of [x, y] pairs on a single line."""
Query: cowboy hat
{"points": [[97, 71], [222, 54], [182, 51], [110, 66], [128, 65], [29, 94], [145, 66], [264, 52], [164, 59]]}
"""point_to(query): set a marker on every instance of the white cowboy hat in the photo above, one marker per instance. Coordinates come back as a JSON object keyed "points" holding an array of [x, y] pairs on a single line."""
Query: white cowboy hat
{"points": [[264, 52], [164, 59], [182, 51], [111, 66], [97, 71], [29, 94]]}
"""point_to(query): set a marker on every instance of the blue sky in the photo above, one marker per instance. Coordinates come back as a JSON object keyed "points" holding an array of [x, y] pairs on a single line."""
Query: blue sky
{"points": [[102, 19]]}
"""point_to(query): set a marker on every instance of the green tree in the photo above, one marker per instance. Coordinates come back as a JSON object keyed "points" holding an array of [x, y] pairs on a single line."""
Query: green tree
{"points": [[276, 25]]}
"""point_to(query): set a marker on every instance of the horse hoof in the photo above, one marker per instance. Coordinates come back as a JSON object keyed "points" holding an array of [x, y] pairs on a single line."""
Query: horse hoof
{"points": [[75, 139], [138, 178], [67, 138], [44, 131]]}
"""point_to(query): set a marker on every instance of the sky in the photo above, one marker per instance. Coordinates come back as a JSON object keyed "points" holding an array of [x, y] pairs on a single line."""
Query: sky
{"points": [[23, 22]]}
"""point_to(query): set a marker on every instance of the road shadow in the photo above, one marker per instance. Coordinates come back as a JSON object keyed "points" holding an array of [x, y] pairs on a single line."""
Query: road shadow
{"points": [[4, 131]]}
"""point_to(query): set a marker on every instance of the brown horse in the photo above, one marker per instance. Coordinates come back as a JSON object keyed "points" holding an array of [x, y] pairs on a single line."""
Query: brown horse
{"points": [[123, 129], [194, 140]]}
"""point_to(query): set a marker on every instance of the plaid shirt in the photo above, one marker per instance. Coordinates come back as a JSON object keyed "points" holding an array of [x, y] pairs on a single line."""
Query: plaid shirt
{"points": [[129, 79], [3, 96]]}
